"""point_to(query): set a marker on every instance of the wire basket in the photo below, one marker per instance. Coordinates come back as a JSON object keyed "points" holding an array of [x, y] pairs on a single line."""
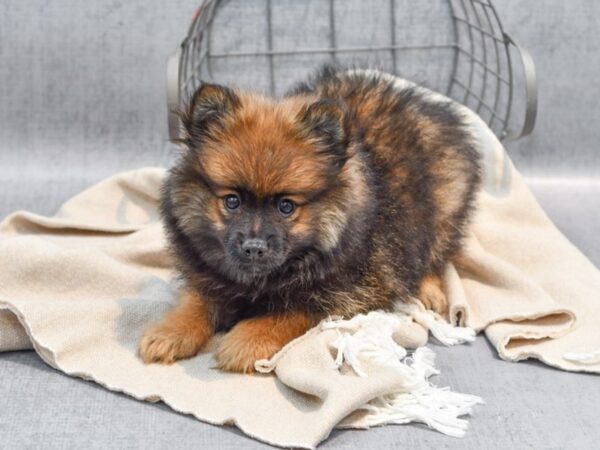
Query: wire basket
{"points": [[456, 47]]}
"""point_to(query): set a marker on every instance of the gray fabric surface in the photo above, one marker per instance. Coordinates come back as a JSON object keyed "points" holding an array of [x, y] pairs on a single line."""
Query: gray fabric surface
{"points": [[82, 97]]}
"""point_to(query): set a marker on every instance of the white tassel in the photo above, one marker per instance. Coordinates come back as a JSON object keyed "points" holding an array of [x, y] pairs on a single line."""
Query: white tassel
{"points": [[583, 358], [371, 336], [366, 341], [438, 408]]}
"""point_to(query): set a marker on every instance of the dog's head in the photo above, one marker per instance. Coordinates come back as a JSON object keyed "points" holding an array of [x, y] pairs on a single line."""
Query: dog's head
{"points": [[263, 182]]}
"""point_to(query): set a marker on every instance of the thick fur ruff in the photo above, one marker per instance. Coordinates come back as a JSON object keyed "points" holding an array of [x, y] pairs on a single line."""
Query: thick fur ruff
{"points": [[383, 177]]}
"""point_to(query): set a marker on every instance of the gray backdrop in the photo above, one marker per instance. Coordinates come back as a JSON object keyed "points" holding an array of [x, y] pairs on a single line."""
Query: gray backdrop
{"points": [[82, 96], [82, 87]]}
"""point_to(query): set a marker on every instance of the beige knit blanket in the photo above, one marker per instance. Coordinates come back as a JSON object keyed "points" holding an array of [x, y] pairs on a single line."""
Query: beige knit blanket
{"points": [[79, 288]]}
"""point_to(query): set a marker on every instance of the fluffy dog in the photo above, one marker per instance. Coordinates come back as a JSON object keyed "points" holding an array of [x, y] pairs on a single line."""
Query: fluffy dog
{"points": [[346, 196]]}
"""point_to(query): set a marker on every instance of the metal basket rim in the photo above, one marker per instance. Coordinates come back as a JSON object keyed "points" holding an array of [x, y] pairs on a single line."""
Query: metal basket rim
{"points": [[175, 73]]}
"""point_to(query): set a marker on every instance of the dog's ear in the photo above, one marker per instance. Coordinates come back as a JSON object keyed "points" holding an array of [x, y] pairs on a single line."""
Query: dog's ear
{"points": [[208, 107], [325, 120]]}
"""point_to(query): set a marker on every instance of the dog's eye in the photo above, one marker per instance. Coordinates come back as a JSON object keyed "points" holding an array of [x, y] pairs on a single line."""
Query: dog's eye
{"points": [[286, 206], [232, 202]]}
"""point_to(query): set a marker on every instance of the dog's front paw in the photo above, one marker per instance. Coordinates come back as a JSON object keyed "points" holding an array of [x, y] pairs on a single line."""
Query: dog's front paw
{"points": [[245, 344], [260, 338], [165, 344]]}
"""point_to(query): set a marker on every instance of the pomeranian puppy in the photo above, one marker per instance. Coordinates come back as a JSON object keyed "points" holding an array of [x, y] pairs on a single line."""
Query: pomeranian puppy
{"points": [[346, 196]]}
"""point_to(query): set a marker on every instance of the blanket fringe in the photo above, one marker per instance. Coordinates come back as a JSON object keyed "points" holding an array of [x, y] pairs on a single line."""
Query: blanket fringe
{"points": [[368, 338], [438, 408]]}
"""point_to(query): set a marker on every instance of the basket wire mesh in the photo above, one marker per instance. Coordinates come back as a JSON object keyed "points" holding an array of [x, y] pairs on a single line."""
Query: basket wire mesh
{"points": [[269, 44]]}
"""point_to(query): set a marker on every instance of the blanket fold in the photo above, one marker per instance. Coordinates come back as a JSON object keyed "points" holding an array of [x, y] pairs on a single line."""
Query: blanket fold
{"points": [[80, 287]]}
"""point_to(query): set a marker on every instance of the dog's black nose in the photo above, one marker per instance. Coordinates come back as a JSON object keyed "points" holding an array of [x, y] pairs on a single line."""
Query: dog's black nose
{"points": [[254, 248]]}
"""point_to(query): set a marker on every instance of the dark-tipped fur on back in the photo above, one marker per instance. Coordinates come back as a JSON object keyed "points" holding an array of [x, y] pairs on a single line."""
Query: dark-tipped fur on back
{"points": [[393, 173], [423, 154]]}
